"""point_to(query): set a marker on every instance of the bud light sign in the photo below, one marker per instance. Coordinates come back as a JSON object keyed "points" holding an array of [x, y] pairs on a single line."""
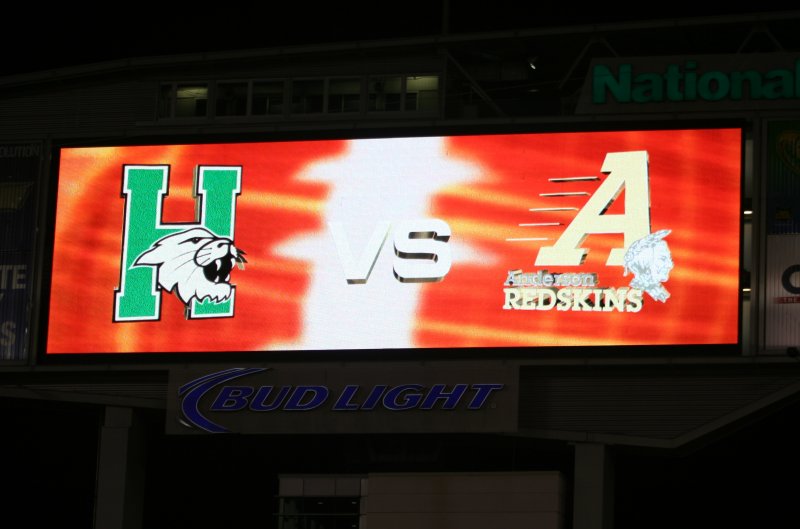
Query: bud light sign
{"points": [[265, 400]]}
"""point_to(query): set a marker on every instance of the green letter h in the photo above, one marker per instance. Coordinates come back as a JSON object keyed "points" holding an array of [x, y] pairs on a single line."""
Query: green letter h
{"points": [[138, 297]]}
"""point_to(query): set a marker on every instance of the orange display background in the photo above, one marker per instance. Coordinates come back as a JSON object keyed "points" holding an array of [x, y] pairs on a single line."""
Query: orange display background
{"points": [[694, 191]]}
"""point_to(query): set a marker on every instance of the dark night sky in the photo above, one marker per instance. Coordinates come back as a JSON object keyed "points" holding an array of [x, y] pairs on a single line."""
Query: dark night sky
{"points": [[65, 38]]}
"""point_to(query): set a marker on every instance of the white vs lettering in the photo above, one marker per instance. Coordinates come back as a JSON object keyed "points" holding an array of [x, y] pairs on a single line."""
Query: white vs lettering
{"points": [[420, 248]]}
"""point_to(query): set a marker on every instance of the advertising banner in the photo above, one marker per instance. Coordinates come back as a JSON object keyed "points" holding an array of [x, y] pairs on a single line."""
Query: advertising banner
{"points": [[14, 280], [505, 240], [19, 168], [783, 183], [702, 83], [783, 291], [342, 400], [783, 236]]}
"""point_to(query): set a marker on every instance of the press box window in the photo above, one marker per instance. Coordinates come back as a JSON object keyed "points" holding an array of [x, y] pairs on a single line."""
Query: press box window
{"points": [[307, 96], [422, 93], [267, 98], [385, 94], [191, 100], [231, 99], [419, 93], [344, 95]]}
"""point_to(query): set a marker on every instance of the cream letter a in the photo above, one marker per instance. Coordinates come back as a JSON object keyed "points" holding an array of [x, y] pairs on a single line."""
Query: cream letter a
{"points": [[625, 170]]}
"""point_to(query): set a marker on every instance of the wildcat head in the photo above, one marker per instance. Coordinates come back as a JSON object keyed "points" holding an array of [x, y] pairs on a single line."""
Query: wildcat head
{"points": [[194, 263]]}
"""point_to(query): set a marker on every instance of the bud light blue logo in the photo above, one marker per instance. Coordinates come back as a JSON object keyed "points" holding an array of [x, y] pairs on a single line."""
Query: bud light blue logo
{"points": [[225, 397]]}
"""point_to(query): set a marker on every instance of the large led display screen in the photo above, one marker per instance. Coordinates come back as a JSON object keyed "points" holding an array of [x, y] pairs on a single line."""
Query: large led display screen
{"points": [[502, 240]]}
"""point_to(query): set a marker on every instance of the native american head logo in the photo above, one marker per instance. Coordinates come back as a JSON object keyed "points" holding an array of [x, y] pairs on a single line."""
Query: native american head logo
{"points": [[194, 264], [650, 261]]}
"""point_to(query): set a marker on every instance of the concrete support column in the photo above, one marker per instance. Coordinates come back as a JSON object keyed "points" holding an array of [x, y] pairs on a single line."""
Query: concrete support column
{"points": [[594, 487], [120, 471]]}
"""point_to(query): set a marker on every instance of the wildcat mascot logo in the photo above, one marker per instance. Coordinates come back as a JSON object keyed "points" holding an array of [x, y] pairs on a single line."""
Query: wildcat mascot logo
{"points": [[192, 260], [196, 263]]}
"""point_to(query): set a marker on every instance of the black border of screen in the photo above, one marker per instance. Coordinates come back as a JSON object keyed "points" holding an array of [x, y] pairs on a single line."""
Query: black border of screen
{"points": [[40, 314]]}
